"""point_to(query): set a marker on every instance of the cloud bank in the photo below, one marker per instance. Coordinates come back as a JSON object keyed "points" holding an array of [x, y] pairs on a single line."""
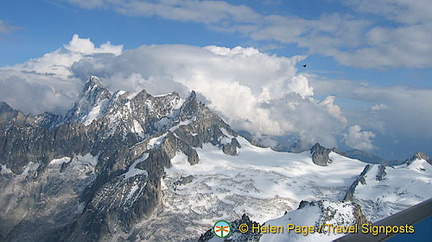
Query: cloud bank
{"points": [[260, 93], [263, 94], [399, 116], [357, 139], [46, 84], [253, 91], [398, 35]]}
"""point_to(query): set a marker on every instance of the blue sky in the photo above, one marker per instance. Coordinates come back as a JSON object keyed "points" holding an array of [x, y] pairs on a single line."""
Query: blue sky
{"points": [[367, 83]]}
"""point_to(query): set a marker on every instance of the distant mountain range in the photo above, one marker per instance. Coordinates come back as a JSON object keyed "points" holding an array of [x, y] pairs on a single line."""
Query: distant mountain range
{"points": [[369, 157], [132, 166], [286, 144]]}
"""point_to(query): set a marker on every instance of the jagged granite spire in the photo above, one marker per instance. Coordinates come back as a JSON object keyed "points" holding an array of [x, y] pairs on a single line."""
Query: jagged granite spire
{"points": [[6, 112], [108, 145], [94, 90], [109, 179], [91, 102], [190, 106]]}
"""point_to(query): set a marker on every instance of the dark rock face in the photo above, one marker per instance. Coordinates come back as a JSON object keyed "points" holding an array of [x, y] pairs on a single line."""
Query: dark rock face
{"points": [[231, 148], [184, 180], [350, 193], [112, 151], [304, 203], [381, 173], [330, 209], [359, 216], [6, 113], [320, 155], [94, 92]]}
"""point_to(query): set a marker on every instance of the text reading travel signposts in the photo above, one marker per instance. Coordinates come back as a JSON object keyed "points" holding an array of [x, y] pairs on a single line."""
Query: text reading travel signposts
{"points": [[327, 228], [223, 229]]}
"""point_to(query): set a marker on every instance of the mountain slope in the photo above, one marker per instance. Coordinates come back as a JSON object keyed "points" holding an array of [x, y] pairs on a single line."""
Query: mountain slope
{"points": [[132, 166], [132, 138]]}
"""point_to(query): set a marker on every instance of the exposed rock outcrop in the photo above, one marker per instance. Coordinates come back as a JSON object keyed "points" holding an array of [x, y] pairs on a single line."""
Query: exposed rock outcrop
{"points": [[381, 173], [419, 156], [320, 155], [360, 179], [132, 139], [330, 210]]}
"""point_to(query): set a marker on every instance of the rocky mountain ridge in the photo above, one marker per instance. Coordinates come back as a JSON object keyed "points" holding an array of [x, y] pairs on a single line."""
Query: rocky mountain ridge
{"points": [[130, 166], [128, 133]]}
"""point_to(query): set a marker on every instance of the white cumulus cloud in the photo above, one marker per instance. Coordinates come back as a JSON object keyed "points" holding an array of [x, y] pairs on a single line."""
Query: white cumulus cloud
{"points": [[358, 139], [45, 84], [253, 91]]}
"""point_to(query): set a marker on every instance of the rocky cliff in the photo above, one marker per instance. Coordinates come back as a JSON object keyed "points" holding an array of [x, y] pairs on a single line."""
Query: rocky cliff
{"points": [[132, 166], [97, 170]]}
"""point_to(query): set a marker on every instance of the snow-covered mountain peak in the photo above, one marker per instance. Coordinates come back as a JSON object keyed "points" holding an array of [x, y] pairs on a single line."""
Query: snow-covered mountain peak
{"points": [[130, 166], [91, 104], [419, 156], [125, 110], [94, 90], [322, 215]]}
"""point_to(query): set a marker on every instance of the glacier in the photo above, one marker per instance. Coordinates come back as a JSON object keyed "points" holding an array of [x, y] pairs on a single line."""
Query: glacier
{"points": [[131, 166]]}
